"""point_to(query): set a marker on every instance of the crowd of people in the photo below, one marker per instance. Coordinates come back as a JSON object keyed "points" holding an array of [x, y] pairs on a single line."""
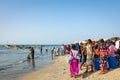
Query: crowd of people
{"points": [[55, 51], [85, 54]]}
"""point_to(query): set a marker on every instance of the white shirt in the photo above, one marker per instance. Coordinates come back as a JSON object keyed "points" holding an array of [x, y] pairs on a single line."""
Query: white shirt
{"points": [[117, 44], [74, 53]]}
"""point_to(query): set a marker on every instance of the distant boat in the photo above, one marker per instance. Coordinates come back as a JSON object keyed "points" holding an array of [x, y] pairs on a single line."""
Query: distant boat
{"points": [[11, 46], [7, 46]]}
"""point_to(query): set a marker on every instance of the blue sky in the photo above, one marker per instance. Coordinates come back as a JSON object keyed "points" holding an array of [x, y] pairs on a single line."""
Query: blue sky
{"points": [[57, 21]]}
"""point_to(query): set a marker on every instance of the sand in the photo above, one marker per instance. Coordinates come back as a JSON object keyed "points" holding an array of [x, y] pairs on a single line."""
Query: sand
{"points": [[59, 70]]}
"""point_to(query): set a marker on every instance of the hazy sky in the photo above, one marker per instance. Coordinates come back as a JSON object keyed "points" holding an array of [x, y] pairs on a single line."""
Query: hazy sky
{"points": [[57, 21]]}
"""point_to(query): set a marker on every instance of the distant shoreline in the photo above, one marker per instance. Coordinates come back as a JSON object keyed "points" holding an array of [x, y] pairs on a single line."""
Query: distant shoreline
{"points": [[25, 46]]}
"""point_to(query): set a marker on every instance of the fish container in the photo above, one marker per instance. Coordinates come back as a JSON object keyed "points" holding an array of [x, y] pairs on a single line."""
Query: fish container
{"points": [[113, 62], [96, 64]]}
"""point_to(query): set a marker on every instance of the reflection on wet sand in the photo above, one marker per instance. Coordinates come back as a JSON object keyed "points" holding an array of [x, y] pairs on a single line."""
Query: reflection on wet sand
{"points": [[31, 63]]}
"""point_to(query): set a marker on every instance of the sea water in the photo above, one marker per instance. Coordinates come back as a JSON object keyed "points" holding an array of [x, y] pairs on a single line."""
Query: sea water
{"points": [[13, 62]]}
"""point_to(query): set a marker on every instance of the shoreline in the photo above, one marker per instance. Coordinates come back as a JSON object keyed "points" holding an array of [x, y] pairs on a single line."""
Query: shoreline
{"points": [[49, 72], [59, 70]]}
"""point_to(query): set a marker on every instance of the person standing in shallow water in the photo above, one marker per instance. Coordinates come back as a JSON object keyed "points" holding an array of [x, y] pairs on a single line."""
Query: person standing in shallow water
{"points": [[40, 50], [46, 51], [62, 50], [31, 54]]}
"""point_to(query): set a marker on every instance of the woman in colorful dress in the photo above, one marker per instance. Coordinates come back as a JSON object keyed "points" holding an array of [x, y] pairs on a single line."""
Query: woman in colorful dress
{"points": [[103, 52], [90, 55], [74, 67]]}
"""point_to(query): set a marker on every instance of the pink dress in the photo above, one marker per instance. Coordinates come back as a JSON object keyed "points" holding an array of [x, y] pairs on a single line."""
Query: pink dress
{"points": [[74, 67]]}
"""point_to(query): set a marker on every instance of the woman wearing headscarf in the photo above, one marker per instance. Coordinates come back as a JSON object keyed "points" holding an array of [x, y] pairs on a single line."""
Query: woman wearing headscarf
{"points": [[74, 67]]}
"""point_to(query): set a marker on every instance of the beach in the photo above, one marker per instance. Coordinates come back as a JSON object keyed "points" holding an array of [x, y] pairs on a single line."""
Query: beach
{"points": [[59, 70]]}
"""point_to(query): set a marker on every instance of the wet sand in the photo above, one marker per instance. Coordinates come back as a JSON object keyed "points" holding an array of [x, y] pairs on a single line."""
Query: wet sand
{"points": [[59, 70]]}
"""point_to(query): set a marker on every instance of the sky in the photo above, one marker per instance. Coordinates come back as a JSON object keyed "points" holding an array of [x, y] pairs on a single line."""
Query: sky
{"points": [[58, 21]]}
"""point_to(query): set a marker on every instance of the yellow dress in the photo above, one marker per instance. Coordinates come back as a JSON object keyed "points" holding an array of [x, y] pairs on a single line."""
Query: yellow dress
{"points": [[89, 60]]}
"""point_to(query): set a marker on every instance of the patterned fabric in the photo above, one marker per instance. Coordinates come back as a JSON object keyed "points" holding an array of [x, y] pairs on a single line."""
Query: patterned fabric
{"points": [[103, 60], [89, 60], [103, 51]]}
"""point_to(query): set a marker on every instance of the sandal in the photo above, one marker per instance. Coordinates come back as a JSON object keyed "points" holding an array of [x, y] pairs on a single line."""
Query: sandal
{"points": [[92, 70], [71, 75], [85, 71], [101, 72]]}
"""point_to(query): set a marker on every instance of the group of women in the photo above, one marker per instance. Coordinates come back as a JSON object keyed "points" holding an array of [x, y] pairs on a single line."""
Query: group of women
{"points": [[85, 53]]}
